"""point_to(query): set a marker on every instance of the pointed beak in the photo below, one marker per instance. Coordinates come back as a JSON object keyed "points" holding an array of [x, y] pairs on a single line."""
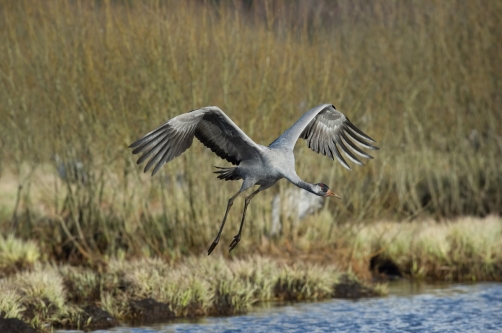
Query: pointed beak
{"points": [[331, 194]]}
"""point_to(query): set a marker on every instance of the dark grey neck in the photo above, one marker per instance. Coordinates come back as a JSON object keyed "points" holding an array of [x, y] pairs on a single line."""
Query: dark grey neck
{"points": [[306, 186], [293, 177]]}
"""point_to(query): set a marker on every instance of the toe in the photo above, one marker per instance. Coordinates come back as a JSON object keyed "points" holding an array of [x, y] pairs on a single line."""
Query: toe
{"points": [[211, 248], [234, 243]]}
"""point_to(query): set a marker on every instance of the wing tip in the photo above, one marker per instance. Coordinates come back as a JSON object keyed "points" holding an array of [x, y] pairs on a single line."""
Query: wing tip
{"points": [[359, 132], [135, 143], [155, 170], [346, 166]]}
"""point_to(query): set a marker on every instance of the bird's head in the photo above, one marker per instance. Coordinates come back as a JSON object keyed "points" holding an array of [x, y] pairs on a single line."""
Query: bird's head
{"points": [[324, 191]]}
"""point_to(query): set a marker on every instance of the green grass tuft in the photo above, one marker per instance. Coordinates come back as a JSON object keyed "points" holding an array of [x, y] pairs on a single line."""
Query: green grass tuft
{"points": [[16, 253]]}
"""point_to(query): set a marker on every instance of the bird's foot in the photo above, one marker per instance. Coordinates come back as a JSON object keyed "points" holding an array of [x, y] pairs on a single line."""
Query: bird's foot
{"points": [[234, 243], [213, 245]]}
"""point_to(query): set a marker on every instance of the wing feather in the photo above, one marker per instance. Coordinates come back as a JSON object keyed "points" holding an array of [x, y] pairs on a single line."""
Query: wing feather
{"points": [[359, 132], [347, 151], [165, 156], [327, 131], [153, 148], [211, 126], [355, 148], [337, 154], [360, 141]]}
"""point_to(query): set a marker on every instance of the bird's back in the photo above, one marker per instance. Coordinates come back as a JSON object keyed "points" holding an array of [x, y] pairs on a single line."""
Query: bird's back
{"points": [[274, 164]]}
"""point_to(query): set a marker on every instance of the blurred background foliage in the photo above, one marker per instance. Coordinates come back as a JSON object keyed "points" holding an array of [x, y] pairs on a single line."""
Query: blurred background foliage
{"points": [[81, 80]]}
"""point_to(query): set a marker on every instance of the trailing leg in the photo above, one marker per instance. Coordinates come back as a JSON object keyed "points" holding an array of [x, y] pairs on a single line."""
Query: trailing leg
{"points": [[217, 239], [237, 237]]}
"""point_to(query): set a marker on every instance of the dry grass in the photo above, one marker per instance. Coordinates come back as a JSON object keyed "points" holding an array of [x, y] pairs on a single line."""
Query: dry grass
{"points": [[38, 297], [201, 286], [83, 79], [16, 254], [46, 295], [50, 295], [466, 249]]}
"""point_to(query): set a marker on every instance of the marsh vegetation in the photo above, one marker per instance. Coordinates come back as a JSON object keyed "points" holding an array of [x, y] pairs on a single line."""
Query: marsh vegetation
{"points": [[152, 290], [81, 80]]}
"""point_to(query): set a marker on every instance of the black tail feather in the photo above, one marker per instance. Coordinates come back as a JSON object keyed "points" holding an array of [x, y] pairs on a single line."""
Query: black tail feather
{"points": [[227, 173]]}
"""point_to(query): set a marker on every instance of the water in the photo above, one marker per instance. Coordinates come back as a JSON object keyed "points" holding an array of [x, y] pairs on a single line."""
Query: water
{"points": [[408, 308]]}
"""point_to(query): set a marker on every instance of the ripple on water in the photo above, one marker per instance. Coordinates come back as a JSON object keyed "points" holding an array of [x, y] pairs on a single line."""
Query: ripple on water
{"points": [[429, 308]]}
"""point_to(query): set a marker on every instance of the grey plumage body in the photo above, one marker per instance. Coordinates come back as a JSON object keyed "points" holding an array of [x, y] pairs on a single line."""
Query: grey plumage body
{"points": [[326, 130]]}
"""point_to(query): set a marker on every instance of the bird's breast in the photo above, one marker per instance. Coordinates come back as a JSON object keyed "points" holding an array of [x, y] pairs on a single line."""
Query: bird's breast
{"points": [[279, 163]]}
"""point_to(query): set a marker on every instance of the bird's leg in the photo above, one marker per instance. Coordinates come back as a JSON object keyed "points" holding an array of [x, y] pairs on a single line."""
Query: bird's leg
{"points": [[217, 239], [237, 237]]}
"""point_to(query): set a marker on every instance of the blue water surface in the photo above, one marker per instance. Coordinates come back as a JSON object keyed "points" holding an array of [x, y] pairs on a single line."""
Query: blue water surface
{"points": [[408, 308]]}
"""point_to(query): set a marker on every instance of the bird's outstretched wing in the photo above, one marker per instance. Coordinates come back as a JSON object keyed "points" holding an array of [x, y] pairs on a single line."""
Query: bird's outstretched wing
{"points": [[209, 124], [327, 130]]}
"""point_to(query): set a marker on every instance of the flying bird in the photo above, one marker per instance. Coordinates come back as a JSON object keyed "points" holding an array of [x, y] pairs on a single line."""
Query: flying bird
{"points": [[326, 130]]}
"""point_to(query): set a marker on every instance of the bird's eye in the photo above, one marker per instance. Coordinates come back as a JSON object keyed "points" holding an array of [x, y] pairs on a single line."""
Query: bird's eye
{"points": [[323, 187]]}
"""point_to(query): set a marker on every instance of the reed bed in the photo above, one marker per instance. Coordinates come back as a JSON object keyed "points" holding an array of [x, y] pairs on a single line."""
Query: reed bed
{"points": [[83, 79]]}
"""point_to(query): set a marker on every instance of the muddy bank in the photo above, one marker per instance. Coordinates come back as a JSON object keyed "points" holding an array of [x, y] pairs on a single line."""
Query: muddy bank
{"points": [[14, 325]]}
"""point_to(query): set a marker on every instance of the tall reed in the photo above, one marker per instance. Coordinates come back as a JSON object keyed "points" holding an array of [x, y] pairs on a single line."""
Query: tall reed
{"points": [[83, 79]]}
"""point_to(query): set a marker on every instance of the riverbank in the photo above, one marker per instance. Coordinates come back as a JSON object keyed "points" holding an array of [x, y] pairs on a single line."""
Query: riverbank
{"points": [[149, 290], [103, 293], [413, 307]]}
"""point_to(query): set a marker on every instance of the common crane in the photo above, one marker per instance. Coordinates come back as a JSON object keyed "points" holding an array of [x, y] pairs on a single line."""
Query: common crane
{"points": [[325, 129]]}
